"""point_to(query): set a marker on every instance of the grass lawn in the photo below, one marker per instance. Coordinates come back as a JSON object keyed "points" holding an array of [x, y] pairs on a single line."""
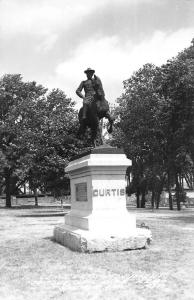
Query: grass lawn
{"points": [[32, 266]]}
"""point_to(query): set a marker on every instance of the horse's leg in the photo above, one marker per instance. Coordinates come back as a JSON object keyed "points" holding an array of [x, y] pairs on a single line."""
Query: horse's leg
{"points": [[100, 139], [95, 132], [98, 135], [93, 136], [81, 130], [81, 124], [111, 121]]}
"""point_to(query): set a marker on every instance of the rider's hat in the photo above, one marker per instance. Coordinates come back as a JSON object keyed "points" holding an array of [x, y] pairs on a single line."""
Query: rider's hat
{"points": [[89, 70]]}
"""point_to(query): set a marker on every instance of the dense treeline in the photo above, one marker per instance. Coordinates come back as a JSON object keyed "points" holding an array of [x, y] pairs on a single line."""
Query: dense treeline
{"points": [[155, 125]]}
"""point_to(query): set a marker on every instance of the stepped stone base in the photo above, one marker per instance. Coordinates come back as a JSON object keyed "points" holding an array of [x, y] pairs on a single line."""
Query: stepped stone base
{"points": [[98, 220], [85, 241]]}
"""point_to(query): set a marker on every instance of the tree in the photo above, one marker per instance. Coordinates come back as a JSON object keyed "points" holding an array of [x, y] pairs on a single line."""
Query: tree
{"points": [[177, 86], [14, 95], [56, 131], [38, 134], [156, 118], [139, 112]]}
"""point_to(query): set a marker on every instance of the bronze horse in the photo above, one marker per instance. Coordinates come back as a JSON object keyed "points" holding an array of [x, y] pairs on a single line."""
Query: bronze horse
{"points": [[96, 110]]}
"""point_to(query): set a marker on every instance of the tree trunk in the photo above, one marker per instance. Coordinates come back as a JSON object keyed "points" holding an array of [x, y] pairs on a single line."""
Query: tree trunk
{"points": [[170, 194], [153, 198], [137, 199], [143, 199], [177, 192], [158, 199], [25, 188], [36, 197], [8, 188], [159, 192]]}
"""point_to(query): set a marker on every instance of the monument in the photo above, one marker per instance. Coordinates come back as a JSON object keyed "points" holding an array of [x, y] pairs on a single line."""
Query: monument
{"points": [[98, 219], [95, 107]]}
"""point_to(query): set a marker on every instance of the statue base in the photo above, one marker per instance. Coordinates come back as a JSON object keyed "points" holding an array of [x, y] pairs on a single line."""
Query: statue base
{"points": [[99, 220], [90, 241]]}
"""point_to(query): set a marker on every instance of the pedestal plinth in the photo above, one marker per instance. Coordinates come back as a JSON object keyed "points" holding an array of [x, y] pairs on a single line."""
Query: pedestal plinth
{"points": [[98, 219]]}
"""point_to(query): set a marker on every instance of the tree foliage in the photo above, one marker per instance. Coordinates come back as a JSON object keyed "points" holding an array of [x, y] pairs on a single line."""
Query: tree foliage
{"points": [[155, 116], [37, 130]]}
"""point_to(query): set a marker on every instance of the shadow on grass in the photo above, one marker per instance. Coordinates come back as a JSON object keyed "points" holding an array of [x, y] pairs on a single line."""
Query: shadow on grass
{"points": [[43, 215], [49, 238], [184, 219], [35, 207]]}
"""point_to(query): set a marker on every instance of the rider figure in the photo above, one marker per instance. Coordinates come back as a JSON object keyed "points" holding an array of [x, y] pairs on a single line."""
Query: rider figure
{"points": [[88, 86], [93, 91]]}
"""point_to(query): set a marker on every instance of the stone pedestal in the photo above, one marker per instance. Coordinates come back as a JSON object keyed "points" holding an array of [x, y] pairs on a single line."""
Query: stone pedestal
{"points": [[98, 219]]}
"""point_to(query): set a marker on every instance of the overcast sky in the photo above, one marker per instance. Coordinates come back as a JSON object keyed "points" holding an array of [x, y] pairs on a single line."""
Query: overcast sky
{"points": [[54, 41]]}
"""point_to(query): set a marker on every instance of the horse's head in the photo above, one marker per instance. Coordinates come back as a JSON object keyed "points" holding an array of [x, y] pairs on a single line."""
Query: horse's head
{"points": [[97, 85]]}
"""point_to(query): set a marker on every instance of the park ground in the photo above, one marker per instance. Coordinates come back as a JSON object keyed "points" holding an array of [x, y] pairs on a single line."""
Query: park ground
{"points": [[33, 266]]}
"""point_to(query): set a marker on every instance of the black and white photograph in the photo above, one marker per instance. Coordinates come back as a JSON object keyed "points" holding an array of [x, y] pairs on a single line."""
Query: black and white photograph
{"points": [[96, 149]]}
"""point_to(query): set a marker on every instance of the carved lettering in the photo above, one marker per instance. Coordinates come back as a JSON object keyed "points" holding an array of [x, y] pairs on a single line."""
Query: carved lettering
{"points": [[122, 192], [101, 192], [113, 190], [95, 193], [108, 192]]}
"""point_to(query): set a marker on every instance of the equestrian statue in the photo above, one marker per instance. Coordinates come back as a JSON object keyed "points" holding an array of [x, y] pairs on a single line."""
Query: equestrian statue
{"points": [[95, 107]]}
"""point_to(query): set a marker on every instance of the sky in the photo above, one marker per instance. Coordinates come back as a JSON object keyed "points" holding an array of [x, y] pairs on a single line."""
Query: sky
{"points": [[54, 41]]}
